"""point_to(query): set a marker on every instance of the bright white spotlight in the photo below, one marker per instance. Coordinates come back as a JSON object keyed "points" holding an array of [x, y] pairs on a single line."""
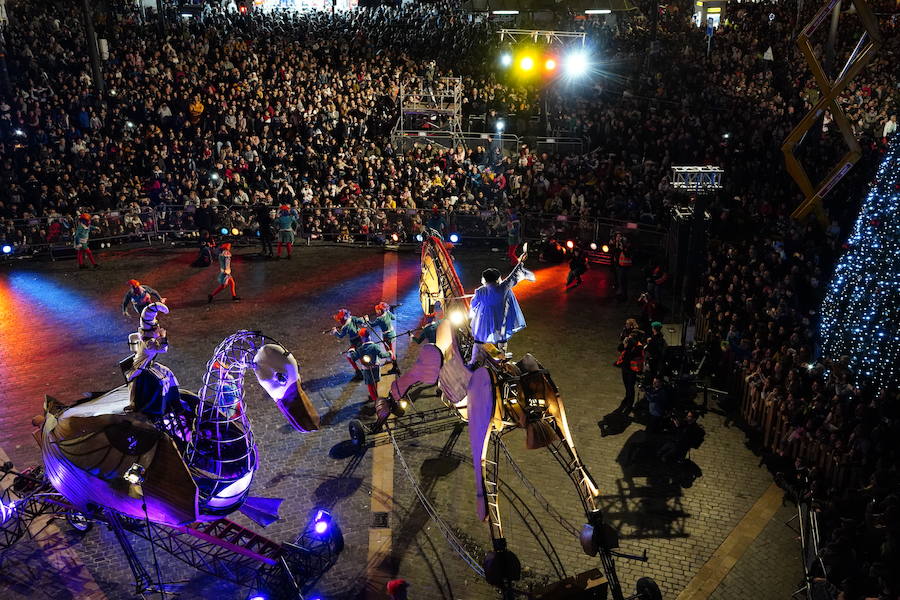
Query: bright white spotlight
{"points": [[19, 132], [7, 249], [419, 237], [593, 245], [526, 64], [570, 244], [501, 125], [506, 59], [457, 317], [454, 238], [576, 63]]}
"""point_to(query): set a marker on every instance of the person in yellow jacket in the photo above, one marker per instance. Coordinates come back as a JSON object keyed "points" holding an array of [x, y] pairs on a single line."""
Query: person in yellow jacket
{"points": [[196, 109]]}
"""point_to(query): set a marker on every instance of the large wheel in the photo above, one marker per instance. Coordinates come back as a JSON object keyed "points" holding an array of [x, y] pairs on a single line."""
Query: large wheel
{"points": [[647, 589], [357, 432], [79, 522]]}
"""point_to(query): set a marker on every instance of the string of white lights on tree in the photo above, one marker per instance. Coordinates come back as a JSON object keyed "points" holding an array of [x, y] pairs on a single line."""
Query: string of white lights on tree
{"points": [[861, 311]]}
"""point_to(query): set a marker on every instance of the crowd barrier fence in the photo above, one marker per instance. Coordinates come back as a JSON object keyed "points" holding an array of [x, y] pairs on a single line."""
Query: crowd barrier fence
{"points": [[769, 417], [237, 223]]}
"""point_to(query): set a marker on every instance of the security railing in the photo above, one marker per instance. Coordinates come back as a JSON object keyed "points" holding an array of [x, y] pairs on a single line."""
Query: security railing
{"points": [[336, 224]]}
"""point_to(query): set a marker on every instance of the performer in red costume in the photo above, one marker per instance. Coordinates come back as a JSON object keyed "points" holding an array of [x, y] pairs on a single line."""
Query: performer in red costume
{"points": [[225, 279]]}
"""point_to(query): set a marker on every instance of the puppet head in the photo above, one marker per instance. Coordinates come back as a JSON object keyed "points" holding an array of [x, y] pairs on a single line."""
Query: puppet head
{"points": [[277, 372], [381, 307], [341, 316], [134, 283]]}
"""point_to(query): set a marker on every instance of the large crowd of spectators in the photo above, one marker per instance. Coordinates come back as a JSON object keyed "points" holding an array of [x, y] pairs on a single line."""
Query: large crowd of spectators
{"points": [[298, 109], [205, 121]]}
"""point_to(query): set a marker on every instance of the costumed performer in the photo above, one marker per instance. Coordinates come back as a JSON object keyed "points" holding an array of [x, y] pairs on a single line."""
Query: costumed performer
{"points": [[225, 279], [349, 327], [494, 313], [153, 386], [428, 333], [286, 222], [385, 322], [372, 356], [139, 296], [81, 241]]}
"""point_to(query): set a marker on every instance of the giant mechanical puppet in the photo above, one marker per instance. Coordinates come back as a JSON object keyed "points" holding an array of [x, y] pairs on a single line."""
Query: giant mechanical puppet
{"points": [[151, 450], [171, 466], [496, 395], [178, 463]]}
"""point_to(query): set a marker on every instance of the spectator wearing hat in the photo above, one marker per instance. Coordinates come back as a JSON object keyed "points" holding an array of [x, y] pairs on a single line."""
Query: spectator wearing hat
{"points": [[225, 278], [139, 296], [397, 589]]}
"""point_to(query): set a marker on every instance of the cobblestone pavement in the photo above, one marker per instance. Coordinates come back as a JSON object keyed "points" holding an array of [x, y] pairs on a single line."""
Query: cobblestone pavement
{"points": [[69, 334]]}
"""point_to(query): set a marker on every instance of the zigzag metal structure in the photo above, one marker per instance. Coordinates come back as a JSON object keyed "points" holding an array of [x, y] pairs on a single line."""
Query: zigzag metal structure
{"points": [[862, 54]]}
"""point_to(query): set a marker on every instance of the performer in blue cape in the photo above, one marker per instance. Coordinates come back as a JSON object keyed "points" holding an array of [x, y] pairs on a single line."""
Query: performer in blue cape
{"points": [[494, 313]]}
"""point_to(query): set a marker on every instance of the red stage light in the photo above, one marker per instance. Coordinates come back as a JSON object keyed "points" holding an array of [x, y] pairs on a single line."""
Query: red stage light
{"points": [[550, 64], [570, 244]]}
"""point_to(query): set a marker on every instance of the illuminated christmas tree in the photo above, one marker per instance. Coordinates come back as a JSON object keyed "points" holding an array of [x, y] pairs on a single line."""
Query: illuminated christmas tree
{"points": [[861, 311]]}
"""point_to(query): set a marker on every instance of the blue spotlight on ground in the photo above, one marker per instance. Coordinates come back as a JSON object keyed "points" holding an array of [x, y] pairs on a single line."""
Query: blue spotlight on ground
{"points": [[7, 249], [454, 238], [224, 231], [257, 596]]}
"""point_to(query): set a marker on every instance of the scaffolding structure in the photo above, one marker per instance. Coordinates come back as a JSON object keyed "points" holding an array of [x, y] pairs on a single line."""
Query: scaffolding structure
{"points": [[430, 107]]}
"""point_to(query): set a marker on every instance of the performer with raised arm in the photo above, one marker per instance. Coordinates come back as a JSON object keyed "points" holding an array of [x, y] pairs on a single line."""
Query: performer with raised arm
{"points": [[81, 240], [139, 296], [494, 313]]}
